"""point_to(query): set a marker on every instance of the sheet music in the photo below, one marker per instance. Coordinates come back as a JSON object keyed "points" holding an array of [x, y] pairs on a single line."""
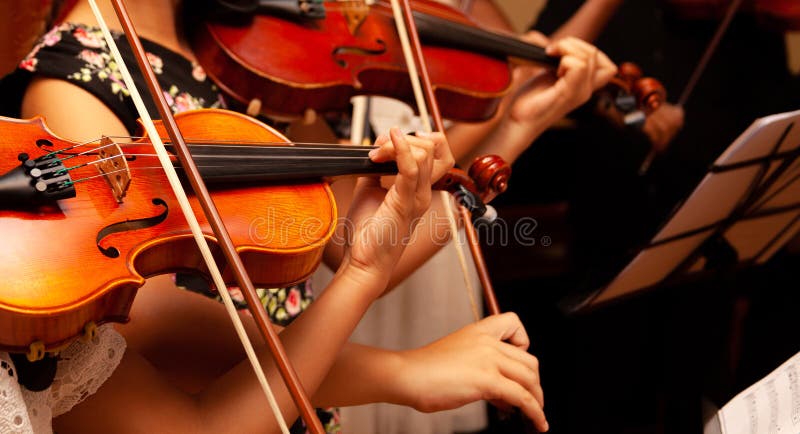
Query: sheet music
{"points": [[770, 406]]}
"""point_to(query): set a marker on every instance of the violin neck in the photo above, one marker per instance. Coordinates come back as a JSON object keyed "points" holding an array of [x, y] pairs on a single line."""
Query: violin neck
{"points": [[273, 163], [439, 31]]}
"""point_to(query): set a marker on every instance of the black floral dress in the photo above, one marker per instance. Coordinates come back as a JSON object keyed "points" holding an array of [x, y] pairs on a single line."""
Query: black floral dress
{"points": [[78, 54]]}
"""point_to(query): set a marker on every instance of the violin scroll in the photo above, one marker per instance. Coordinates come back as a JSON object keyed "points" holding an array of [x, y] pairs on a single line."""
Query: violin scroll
{"points": [[631, 96], [491, 174], [486, 178], [650, 93], [454, 180], [629, 72]]}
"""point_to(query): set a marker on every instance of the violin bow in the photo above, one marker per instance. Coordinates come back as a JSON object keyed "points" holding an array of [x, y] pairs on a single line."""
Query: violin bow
{"points": [[410, 39], [420, 80], [710, 49], [243, 280], [698, 70]]}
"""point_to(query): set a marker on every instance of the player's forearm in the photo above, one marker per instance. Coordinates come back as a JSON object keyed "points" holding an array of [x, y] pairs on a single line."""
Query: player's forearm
{"points": [[312, 343], [362, 375]]}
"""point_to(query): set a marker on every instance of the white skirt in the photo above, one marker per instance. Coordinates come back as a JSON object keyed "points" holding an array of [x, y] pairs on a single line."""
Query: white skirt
{"points": [[82, 368], [431, 303]]}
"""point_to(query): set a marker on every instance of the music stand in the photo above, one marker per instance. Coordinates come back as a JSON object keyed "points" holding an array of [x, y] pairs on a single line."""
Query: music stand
{"points": [[742, 212]]}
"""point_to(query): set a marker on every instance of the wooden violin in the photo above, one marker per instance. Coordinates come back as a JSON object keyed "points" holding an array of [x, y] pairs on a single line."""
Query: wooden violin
{"points": [[319, 54], [778, 15], [630, 96], [101, 218]]}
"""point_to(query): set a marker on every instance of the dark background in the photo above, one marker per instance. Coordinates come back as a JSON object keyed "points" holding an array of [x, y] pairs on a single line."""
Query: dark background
{"points": [[647, 364]]}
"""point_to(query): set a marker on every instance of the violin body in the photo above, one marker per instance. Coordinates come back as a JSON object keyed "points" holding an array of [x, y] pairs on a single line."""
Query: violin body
{"points": [[777, 15], [291, 65], [80, 261]]}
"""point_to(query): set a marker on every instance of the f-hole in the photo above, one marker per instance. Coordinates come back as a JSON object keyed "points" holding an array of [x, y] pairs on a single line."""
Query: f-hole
{"points": [[130, 225], [359, 51]]}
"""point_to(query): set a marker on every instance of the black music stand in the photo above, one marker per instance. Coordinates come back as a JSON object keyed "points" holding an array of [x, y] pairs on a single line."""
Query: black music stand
{"points": [[742, 212]]}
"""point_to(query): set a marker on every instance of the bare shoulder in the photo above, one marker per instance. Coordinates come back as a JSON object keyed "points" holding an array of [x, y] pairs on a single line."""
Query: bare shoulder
{"points": [[70, 112]]}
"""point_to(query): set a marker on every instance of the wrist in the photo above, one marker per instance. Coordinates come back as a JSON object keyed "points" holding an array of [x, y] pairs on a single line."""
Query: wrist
{"points": [[367, 278], [405, 388], [513, 136]]}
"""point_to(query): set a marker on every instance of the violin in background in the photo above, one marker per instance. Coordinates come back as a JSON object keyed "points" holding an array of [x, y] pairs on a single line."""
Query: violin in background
{"points": [[630, 97], [288, 57], [777, 15], [319, 56]]}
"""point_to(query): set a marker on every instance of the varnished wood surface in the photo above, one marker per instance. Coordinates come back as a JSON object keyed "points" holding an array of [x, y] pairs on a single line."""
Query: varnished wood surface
{"points": [[54, 277], [320, 64]]}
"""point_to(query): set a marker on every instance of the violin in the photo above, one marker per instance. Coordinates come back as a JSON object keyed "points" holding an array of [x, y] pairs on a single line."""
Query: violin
{"points": [[102, 218], [318, 55], [778, 15], [630, 97]]}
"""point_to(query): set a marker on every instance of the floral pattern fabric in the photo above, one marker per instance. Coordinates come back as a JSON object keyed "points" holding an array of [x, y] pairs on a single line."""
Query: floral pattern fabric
{"points": [[78, 54]]}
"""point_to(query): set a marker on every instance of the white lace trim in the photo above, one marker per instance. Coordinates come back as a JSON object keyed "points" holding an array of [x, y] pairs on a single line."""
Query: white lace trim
{"points": [[13, 415], [82, 369]]}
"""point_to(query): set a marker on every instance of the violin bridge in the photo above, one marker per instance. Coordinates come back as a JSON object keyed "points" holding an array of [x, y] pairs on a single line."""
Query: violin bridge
{"points": [[355, 13], [114, 168]]}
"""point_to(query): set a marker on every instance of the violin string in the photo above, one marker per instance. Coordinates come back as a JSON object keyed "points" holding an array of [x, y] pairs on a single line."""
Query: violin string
{"points": [[130, 141], [189, 140], [69, 169], [212, 166], [88, 151], [62, 150], [299, 145], [75, 181], [142, 155], [78, 145], [159, 168], [251, 144], [260, 157], [177, 166]]}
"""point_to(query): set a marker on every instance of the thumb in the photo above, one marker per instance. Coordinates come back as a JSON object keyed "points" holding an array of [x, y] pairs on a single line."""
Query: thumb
{"points": [[506, 327]]}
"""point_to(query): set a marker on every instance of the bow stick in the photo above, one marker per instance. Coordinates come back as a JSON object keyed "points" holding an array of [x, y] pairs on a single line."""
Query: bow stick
{"points": [[709, 52], [412, 50], [409, 40], [182, 152], [698, 70]]}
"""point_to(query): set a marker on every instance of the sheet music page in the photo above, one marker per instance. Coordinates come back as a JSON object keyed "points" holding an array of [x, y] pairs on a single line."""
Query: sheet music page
{"points": [[770, 406]]}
